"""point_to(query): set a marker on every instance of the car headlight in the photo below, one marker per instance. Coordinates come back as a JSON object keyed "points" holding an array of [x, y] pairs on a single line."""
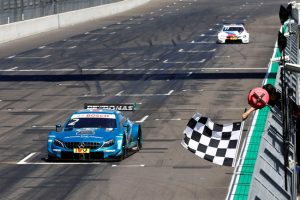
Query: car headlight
{"points": [[108, 143], [222, 35], [59, 143]]}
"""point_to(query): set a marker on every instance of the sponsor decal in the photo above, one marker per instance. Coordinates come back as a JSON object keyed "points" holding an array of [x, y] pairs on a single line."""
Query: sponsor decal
{"points": [[111, 150], [121, 107], [83, 136], [85, 131], [94, 115], [109, 129], [119, 144]]}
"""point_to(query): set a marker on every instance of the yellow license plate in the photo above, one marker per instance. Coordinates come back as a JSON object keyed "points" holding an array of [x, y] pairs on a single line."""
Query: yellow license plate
{"points": [[81, 150], [233, 38]]}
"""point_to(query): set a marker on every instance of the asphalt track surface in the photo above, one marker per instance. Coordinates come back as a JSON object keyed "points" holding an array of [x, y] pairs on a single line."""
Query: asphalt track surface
{"points": [[164, 57]]}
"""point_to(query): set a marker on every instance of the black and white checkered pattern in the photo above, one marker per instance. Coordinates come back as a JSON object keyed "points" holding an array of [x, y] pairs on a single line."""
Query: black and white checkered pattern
{"points": [[216, 143]]}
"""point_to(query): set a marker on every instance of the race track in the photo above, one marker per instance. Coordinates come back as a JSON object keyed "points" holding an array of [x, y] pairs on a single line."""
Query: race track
{"points": [[164, 57]]}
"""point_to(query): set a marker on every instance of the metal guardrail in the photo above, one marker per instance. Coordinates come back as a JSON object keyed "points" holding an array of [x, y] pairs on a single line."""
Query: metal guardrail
{"points": [[19, 10]]}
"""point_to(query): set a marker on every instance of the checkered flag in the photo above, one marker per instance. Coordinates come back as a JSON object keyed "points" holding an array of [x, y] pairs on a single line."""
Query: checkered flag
{"points": [[217, 143]]}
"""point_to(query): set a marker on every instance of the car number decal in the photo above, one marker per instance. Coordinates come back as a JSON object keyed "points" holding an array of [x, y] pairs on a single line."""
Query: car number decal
{"points": [[73, 122]]}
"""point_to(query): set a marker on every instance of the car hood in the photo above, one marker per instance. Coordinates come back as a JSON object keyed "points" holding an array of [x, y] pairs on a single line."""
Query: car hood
{"points": [[87, 134]]}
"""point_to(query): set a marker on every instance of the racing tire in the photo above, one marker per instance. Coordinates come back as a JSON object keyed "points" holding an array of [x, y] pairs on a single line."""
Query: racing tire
{"points": [[50, 158], [139, 139], [124, 150]]}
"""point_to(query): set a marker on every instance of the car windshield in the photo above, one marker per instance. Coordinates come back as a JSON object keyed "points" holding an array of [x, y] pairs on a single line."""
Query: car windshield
{"points": [[92, 121], [232, 28]]}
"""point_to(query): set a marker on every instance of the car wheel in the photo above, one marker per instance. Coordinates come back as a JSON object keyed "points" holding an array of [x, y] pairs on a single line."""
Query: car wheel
{"points": [[50, 157], [124, 150], [139, 140]]}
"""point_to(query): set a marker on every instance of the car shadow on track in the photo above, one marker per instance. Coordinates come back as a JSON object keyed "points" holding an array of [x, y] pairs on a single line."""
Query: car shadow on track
{"points": [[134, 77]]}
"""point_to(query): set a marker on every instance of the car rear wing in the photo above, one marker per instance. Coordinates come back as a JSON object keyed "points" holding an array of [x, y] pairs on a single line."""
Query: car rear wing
{"points": [[120, 107]]}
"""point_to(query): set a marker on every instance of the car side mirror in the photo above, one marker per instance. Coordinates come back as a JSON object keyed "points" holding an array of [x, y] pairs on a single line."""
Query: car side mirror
{"points": [[58, 127]]}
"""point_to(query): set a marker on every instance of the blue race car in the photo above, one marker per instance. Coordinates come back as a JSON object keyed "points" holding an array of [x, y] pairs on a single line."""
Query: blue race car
{"points": [[95, 133]]}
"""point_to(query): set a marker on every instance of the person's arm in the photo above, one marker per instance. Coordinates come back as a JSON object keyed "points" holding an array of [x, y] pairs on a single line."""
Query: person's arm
{"points": [[246, 114]]}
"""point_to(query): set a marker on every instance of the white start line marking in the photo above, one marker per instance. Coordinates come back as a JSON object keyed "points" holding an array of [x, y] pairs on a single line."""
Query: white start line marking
{"points": [[128, 166], [184, 62], [29, 57], [23, 161], [121, 93], [143, 119]]}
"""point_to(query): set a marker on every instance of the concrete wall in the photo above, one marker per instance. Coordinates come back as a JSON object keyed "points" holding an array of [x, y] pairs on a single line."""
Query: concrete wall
{"points": [[17, 30], [9, 32]]}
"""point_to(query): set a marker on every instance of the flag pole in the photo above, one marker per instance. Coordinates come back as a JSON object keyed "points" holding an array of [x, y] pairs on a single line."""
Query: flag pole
{"points": [[238, 145]]}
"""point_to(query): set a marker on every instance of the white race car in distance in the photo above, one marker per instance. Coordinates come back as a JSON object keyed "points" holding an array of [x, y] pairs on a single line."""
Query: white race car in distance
{"points": [[233, 33]]}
